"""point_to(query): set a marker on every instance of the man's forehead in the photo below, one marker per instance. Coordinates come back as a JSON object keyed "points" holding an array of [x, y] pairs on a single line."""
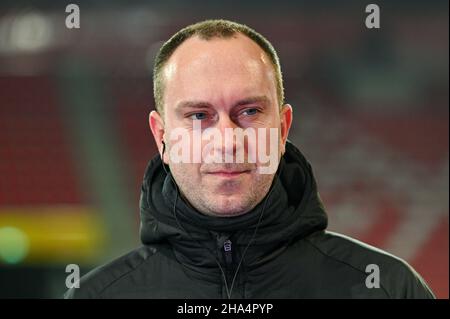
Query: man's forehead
{"points": [[220, 71], [238, 49]]}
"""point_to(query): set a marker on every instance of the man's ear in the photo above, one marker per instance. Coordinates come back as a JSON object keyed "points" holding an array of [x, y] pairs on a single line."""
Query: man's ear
{"points": [[286, 121], [157, 127]]}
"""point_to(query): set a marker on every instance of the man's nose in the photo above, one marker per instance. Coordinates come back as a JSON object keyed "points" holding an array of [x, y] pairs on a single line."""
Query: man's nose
{"points": [[227, 127]]}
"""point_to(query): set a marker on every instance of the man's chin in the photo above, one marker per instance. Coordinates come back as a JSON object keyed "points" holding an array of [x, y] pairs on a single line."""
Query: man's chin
{"points": [[229, 206]]}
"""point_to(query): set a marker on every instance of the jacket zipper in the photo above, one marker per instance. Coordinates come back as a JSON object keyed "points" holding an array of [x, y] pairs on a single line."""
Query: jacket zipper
{"points": [[228, 253], [227, 248]]}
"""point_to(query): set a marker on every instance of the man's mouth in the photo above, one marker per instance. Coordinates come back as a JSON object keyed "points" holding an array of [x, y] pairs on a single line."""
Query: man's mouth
{"points": [[228, 173]]}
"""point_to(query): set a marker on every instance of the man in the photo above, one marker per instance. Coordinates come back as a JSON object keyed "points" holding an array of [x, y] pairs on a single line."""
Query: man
{"points": [[235, 229]]}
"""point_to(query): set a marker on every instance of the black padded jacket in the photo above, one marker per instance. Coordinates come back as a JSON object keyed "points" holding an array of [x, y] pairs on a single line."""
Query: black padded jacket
{"points": [[281, 249]]}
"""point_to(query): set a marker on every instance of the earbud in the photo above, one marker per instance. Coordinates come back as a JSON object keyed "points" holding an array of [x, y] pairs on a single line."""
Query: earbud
{"points": [[164, 148], [162, 157]]}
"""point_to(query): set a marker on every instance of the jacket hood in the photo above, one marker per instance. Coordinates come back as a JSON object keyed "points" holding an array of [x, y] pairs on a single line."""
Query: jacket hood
{"points": [[292, 209]]}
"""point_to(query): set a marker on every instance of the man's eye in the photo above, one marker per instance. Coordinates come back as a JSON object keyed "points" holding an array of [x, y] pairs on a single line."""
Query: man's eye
{"points": [[198, 116], [251, 111]]}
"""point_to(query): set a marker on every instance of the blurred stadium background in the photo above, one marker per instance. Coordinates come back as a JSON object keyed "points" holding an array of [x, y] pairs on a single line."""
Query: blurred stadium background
{"points": [[370, 106]]}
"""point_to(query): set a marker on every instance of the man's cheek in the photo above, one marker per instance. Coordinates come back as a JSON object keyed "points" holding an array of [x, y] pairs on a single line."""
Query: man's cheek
{"points": [[268, 150]]}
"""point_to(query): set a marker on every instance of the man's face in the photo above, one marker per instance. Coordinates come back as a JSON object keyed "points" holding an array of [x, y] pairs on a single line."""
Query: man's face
{"points": [[222, 84]]}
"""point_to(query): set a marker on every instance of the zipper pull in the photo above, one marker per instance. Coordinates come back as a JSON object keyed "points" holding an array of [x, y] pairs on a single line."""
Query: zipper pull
{"points": [[228, 254]]}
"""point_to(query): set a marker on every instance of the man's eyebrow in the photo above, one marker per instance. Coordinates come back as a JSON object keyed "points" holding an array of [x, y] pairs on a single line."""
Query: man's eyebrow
{"points": [[203, 104], [192, 104], [252, 100]]}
